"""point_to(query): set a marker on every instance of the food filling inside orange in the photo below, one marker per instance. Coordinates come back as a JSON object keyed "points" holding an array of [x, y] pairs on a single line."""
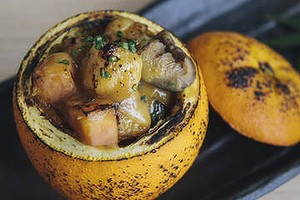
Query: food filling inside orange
{"points": [[108, 82]]}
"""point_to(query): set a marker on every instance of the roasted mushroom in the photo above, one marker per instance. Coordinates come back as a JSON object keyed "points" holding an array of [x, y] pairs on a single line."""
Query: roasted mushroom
{"points": [[95, 122], [165, 65]]}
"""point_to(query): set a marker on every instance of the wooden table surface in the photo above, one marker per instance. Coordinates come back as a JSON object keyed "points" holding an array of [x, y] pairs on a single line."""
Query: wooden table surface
{"points": [[22, 22]]}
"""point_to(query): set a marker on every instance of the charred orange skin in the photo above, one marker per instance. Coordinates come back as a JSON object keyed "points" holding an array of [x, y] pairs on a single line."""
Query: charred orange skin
{"points": [[141, 176], [251, 86]]}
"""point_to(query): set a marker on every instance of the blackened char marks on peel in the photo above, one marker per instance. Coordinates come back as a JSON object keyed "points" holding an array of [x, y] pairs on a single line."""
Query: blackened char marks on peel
{"points": [[283, 88], [167, 129], [266, 84], [240, 78], [259, 95], [289, 94], [162, 132], [236, 52], [263, 87]]}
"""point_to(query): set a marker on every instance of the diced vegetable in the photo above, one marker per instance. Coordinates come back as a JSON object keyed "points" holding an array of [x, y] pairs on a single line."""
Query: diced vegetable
{"points": [[53, 78], [94, 123]]}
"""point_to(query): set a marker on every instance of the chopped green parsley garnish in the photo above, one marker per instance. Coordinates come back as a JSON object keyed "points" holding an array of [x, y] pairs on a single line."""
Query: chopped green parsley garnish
{"points": [[124, 45], [113, 59], [64, 61], [104, 73], [144, 98], [120, 34], [99, 41], [89, 39], [132, 46]]}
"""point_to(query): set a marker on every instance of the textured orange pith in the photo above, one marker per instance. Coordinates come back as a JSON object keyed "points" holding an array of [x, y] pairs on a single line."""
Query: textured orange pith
{"points": [[252, 87], [144, 176]]}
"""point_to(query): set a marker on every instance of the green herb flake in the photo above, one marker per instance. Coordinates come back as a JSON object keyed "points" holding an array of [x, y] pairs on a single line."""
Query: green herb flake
{"points": [[100, 41], [64, 61], [120, 34], [104, 73], [144, 98], [100, 38], [89, 39], [124, 45], [113, 59], [132, 46]]}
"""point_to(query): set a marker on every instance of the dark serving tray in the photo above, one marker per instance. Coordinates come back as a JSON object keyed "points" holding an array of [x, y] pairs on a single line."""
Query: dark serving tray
{"points": [[229, 166]]}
